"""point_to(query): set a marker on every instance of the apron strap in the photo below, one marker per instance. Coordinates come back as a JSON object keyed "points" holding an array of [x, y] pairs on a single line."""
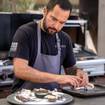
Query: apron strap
{"points": [[58, 43], [59, 50], [39, 37]]}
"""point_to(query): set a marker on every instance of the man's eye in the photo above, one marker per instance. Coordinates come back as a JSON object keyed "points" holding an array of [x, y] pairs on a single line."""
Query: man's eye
{"points": [[62, 22], [54, 19]]}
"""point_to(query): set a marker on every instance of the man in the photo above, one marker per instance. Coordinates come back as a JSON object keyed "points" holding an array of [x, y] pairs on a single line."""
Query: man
{"points": [[40, 48]]}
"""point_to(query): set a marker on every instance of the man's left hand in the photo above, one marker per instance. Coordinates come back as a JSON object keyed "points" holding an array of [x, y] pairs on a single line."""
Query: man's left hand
{"points": [[84, 76]]}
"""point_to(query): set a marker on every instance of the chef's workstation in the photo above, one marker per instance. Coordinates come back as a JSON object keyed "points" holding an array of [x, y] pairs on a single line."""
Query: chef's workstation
{"points": [[87, 59]]}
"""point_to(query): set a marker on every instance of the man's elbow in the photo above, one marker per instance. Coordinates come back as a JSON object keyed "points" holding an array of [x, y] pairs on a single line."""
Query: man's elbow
{"points": [[17, 72], [20, 67]]}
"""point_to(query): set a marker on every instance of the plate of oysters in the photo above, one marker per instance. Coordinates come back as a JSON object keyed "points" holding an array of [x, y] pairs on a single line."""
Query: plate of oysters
{"points": [[39, 96]]}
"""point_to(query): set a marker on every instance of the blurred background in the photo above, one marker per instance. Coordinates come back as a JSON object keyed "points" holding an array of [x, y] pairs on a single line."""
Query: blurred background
{"points": [[24, 5]]}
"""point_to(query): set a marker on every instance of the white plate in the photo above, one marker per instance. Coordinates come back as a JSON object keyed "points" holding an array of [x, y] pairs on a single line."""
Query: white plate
{"points": [[13, 100]]}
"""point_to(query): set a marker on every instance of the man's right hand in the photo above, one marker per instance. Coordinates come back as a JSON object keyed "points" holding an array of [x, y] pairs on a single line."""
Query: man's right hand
{"points": [[69, 80]]}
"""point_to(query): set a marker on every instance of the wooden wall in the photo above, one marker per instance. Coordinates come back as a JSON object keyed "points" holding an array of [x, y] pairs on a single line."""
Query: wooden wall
{"points": [[101, 28]]}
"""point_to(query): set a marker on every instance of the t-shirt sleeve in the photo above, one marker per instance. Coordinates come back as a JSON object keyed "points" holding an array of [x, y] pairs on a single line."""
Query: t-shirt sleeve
{"points": [[69, 60], [19, 47]]}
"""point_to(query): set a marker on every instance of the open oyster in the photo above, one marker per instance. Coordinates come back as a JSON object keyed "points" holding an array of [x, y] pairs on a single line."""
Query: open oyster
{"points": [[40, 93], [89, 86]]}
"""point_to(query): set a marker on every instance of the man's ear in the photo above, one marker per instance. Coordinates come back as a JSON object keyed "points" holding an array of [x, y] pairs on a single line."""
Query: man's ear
{"points": [[45, 11]]}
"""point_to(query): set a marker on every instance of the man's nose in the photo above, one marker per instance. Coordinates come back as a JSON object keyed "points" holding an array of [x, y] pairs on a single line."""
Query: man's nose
{"points": [[57, 25]]}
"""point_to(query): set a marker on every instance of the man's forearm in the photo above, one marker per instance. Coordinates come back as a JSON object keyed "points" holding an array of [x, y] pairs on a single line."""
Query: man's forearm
{"points": [[30, 74]]}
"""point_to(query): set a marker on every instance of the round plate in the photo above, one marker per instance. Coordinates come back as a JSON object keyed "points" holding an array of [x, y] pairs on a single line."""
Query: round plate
{"points": [[68, 99]]}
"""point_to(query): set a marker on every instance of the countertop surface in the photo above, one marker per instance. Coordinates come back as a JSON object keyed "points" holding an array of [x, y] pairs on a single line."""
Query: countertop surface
{"points": [[100, 100], [77, 101]]}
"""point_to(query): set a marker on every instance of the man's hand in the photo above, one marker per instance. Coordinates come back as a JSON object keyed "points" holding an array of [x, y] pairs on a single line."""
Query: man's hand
{"points": [[74, 77], [69, 80], [84, 77]]}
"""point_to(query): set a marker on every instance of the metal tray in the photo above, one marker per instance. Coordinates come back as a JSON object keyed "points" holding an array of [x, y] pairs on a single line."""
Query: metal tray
{"points": [[68, 99], [99, 90]]}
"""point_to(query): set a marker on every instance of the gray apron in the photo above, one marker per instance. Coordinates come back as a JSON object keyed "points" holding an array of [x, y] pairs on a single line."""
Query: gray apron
{"points": [[45, 63]]}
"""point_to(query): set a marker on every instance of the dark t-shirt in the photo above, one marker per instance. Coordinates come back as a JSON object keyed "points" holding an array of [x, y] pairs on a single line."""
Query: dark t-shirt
{"points": [[25, 45]]}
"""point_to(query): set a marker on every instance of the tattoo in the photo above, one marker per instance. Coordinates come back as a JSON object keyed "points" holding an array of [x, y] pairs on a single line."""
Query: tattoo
{"points": [[71, 70]]}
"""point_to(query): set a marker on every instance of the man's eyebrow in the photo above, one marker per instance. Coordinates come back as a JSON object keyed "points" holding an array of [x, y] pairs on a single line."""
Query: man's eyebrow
{"points": [[58, 19], [54, 17]]}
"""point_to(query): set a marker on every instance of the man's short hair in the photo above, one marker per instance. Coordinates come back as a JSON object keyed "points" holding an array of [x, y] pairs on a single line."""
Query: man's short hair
{"points": [[64, 4]]}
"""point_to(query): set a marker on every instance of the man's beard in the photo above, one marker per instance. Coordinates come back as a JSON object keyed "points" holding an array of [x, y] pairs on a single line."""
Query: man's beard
{"points": [[49, 30]]}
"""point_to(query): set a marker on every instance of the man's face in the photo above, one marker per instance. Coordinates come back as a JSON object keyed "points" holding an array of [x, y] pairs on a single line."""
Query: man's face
{"points": [[55, 19]]}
